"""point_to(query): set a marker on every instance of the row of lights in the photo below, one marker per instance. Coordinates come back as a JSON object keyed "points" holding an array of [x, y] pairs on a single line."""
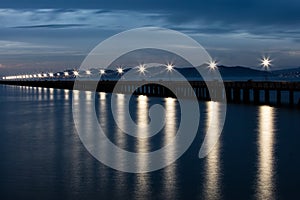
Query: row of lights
{"points": [[265, 63], [141, 69], [120, 70], [46, 75], [27, 76]]}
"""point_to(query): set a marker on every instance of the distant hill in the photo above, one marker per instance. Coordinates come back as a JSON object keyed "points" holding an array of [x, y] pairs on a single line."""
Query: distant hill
{"points": [[246, 73], [293, 73], [287, 70], [235, 73], [240, 71]]}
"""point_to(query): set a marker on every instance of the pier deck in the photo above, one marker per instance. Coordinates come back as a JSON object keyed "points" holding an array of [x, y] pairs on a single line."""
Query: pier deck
{"points": [[248, 92]]}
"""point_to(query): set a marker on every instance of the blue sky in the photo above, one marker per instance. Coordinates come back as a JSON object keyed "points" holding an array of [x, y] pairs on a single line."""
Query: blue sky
{"points": [[39, 35]]}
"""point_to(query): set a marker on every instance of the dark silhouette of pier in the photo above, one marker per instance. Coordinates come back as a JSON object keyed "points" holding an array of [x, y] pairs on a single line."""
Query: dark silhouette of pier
{"points": [[247, 92]]}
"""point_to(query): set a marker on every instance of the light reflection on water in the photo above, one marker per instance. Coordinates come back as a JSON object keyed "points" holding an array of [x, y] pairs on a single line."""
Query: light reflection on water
{"points": [[212, 186], [43, 153], [142, 181], [51, 95], [170, 176], [103, 116], [120, 141], [266, 140], [66, 94]]}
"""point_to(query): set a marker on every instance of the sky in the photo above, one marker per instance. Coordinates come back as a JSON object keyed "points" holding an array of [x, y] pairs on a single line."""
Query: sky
{"points": [[40, 35]]}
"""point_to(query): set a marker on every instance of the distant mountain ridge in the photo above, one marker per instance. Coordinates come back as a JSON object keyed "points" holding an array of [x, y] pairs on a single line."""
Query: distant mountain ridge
{"points": [[240, 71], [226, 71], [246, 73]]}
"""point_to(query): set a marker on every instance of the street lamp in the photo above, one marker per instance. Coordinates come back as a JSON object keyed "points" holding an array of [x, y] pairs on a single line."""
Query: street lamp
{"points": [[212, 65], [266, 62], [120, 70], [170, 67], [102, 71], [76, 73], [88, 72], [142, 69]]}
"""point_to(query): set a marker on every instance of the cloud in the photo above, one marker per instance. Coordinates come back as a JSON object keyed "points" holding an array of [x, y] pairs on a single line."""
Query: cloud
{"points": [[223, 25], [74, 18], [53, 26], [251, 12], [17, 49], [203, 18]]}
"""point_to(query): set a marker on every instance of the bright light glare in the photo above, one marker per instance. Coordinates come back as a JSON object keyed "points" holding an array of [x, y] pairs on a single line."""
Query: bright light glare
{"points": [[142, 69], [120, 70], [51, 74], [266, 62], [88, 72], [76, 73], [169, 99], [169, 67], [102, 71], [66, 73], [212, 65], [142, 97]]}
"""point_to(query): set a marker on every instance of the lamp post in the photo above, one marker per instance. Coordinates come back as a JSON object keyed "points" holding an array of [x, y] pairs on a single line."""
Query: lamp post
{"points": [[266, 62], [102, 71], [76, 73], [212, 65], [120, 70], [170, 68], [88, 72], [142, 69]]}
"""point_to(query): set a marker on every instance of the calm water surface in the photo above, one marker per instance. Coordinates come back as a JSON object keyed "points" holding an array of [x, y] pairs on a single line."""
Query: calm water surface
{"points": [[42, 157]]}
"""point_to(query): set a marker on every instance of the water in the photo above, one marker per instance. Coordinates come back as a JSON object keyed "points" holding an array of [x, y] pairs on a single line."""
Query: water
{"points": [[42, 157]]}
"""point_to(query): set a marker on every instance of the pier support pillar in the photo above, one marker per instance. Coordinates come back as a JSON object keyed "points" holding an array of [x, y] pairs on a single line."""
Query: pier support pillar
{"points": [[278, 97], [291, 99], [207, 95], [202, 93], [267, 96], [228, 95], [237, 95], [246, 96], [256, 96]]}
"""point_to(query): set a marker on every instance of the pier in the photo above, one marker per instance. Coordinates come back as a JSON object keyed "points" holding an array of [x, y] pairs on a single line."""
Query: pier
{"points": [[246, 92]]}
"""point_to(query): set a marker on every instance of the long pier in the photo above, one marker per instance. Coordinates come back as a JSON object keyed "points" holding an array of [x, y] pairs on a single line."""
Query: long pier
{"points": [[247, 92]]}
